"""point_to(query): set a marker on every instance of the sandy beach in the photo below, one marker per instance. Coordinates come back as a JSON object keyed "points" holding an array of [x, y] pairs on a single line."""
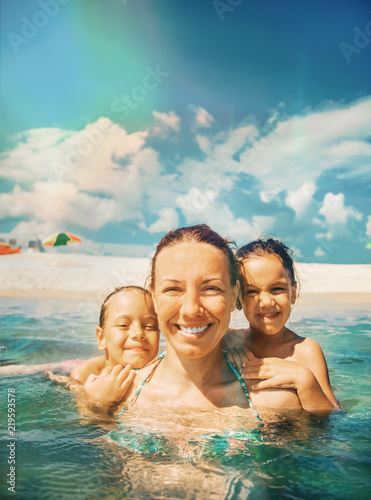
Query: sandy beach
{"points": [[90, 277]]}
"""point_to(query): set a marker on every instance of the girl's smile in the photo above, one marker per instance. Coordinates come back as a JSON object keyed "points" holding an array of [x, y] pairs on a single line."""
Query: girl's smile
{"points": [[269, 294]]}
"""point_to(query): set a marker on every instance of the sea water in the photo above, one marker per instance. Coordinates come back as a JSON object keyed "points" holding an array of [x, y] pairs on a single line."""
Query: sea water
{"points": [[60, 452]]}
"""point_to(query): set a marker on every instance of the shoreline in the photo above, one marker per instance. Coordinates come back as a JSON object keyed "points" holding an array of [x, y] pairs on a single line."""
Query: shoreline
{"points": [[91, 277]]}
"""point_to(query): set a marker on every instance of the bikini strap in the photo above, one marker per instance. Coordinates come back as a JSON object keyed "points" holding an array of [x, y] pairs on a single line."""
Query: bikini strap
{"points": [[156, 362], [242, 382]]}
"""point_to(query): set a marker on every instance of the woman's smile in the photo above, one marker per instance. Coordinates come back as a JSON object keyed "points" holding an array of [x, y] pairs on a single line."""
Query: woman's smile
{"points": [[193, 332], [194, 297]]}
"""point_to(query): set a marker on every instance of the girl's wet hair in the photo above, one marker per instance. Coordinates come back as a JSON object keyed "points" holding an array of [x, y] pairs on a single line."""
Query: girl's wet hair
{"points": [[200, 233], [270, 246], [129, 288]]}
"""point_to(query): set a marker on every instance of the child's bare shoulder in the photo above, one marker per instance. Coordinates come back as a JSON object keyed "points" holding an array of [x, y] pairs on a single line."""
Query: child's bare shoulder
{"points": [[307, 349], [92, 366]]}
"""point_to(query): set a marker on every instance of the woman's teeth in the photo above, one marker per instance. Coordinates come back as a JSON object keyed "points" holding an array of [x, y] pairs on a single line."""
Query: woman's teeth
{"points": [[193, 330]]}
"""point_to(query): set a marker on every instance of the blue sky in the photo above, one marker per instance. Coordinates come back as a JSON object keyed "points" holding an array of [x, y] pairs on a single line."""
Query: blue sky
{"points": [[125, 119]]}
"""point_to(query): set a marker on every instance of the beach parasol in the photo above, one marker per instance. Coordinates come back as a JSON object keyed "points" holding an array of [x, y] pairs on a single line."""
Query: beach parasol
{"points": [[57, 239]]}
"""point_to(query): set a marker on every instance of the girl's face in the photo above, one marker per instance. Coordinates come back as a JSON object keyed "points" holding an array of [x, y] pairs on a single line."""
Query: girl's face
{"points": [[193, 297], [268, 294], [130, 334]]}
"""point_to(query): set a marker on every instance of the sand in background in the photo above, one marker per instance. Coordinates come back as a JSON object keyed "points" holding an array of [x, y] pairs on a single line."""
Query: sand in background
{"points": [[90, 277]]}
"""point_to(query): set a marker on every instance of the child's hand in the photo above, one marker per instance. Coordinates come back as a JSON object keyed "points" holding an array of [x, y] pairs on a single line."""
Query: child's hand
{"points": [[282, 374], [110, 386], [275, 373], [238, 356]]}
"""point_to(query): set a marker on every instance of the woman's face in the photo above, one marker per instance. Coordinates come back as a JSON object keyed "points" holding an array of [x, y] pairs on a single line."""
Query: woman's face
{"points": [[193, 297]]}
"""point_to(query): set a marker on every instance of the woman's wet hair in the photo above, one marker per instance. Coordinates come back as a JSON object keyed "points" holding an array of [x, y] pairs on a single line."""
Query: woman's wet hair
{"points": [[200, 233], [269, 246], [129, 288]]}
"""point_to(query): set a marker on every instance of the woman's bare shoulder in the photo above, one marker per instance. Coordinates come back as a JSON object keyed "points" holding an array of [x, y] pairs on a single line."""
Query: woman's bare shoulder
{"points": [[234, 338]]}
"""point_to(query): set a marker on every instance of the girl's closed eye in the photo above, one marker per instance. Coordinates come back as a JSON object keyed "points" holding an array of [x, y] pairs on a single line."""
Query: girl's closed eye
{"points": [[278, 289], [150, 326]]}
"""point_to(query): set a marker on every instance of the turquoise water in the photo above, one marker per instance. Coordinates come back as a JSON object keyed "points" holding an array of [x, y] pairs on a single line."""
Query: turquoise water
{"points": [[61, 453]]}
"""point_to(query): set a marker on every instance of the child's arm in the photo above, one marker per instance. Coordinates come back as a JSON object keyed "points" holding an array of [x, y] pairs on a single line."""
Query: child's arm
{"points": [[283, 374], [110, 386], [309, 353], [277, 373], [40, 367], [93, 366]]}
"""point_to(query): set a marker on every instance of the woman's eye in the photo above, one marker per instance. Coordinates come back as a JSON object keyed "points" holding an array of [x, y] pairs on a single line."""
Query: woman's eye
{"points": [[171, 289], [124, 325], [213, 289]]}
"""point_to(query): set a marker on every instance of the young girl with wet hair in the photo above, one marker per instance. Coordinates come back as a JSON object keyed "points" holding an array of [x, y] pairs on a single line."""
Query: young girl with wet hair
{"points": [[127, 333], [276, 357]]}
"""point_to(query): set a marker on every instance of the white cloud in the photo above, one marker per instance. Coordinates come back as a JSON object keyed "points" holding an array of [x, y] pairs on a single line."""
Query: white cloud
{"points": [[368, 226], [168, 219], [103, 174], [101, 158], [318, 222], [199, 208], [204, 143], [299, 149], [319, 252], [32, 157], [270, 195], [299, 199], [337, 216], [334, 210], [202, 117], [165, 121], [61, 203]]}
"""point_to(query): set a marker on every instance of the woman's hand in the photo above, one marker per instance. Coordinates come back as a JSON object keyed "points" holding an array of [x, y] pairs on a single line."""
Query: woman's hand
{"points": [[110, 386]]}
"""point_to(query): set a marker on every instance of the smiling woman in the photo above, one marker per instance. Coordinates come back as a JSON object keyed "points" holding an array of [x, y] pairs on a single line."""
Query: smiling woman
{"points": [[195, 283]]}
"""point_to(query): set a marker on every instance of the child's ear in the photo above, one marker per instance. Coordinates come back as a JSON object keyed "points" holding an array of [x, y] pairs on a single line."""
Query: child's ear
{"points": [[294, 293], [100, 338]]}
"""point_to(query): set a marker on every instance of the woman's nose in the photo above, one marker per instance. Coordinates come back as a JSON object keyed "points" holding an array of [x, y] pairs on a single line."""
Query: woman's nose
{"points": [[191, 305]]}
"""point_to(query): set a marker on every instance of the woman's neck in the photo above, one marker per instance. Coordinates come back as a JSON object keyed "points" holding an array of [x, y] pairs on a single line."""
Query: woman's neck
{"points": [[200, 372]]}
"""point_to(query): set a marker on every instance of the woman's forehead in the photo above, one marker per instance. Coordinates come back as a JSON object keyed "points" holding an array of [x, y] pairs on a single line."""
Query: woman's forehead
{"points": [[191, 256]]}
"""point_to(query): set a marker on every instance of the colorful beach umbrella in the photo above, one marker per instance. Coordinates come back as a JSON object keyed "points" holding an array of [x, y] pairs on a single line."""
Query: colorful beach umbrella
{"points": [[57, 239]]}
